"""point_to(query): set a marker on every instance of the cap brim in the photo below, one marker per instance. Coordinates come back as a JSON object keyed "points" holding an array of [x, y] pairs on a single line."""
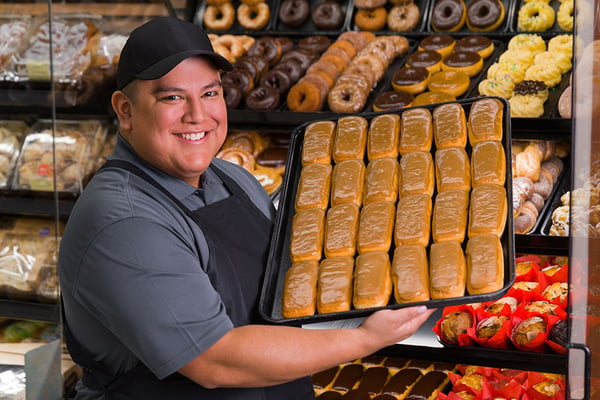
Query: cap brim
{"points": [[167, 64]]}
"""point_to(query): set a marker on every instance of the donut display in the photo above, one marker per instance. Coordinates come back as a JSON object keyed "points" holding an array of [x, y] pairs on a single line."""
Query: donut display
{"points": [[396, 16], [224, 15]]}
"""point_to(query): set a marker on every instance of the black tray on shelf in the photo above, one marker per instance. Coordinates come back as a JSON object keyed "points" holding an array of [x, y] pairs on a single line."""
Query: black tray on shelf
{"points": [[503, 29], [279, 260], [418, 30], [308, 28], [554, 30]]}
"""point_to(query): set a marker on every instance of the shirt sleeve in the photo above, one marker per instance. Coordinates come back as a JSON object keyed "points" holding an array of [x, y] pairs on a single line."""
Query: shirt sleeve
{"points": [[156, 299]]}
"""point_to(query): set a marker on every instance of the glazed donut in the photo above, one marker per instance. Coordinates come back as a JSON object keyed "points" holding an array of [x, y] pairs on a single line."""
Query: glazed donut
{"points": [[223, 51], [253, 17], [564, 103], [485, 15], [340, 53], [547, 73], [535, 16], [233, 44], [269, 178], [526, 106], [252, 2], [264, 98], [294, 13], [374, 63], [276, 78], [443, 44], [480, 44], [432, 60], [306, 95], [267, 47], [400, 44], [239, 157], [448, 15], [318, 43], [383, 47], [247, 41], [369, 3], [455, 83], [501, 86], [430, 97], [466, 61], [411, 80], [349, 94], [345, 46], [364, 70], [393, 100], [328, 15], [240, 78], [371, 19], [564, 16], [532, 88], [358, 39], [219, 17], [337, 61], [403, 18], [325, 67]]}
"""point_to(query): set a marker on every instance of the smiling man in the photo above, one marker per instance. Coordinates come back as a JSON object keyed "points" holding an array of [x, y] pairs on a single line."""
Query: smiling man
{"points": [[162, 259]]}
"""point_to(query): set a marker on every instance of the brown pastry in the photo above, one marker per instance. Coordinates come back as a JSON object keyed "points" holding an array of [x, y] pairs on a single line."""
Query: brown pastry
{"points": [[487, 210], [300, 290], [383, 136], [410, 274], [541, 306], [376, 227], [341, 228], [454, 324], [447, 270], [488, 163], [381, 180], [306, 239], [485, 120], [350, 138], [334, 285], [317, 144], [488, 327], [497, 306], [558, 291], [372, 280], [526, 286], [416, 130], [449, 126], [528, 329], [449, 220], [347, 182], [413, 220], [452, 169], [401, 382], [417, 173], [485, 264], [314, 186]]}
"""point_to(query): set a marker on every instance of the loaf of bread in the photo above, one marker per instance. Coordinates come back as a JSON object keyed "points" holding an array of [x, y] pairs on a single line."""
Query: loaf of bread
{"points": [[317, 144], [335, 284], [347, 182], [413, 220], [485, 120], [488, 163], [314, 185], [306, 238], [341, 227], [410, 274], [452, 169], [383, 137], [449, 126], [381, 180], [416, 130], [376, 226], [417, 173], [487, 210], [449, 220], [350, 138], [447, 270], [372, 280], [485, 264], [300, 290]]}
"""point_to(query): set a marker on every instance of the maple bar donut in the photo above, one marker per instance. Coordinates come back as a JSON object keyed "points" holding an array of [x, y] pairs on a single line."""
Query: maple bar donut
{"points": [[402, 18], [485, 15], [443, 44], [219, 17], [328, 15], [411, 80], [294, 13], [448, 15]]}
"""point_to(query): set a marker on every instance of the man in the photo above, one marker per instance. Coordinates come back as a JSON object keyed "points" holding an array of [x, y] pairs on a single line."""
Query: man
{"points": [[163, 255]]}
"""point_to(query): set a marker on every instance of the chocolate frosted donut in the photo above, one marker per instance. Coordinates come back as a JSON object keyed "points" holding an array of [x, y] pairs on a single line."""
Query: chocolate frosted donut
{"points": [[425, 59], [233, 95], [483, 14], [412, 80], [479, 44], [240, 78], [448, 15], [443, 44], [292, 68], [263, 98], [276, 78], [392, 100], [317, 43], [286, 43], [328, 15], [304, 56], [294, 13], [267, 47], [462, 59]]}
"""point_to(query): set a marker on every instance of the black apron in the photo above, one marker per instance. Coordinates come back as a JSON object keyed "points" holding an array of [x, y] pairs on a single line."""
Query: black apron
{"points": [[238, 235]]}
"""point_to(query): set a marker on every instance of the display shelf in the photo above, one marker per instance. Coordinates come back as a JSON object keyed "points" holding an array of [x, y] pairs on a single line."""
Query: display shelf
{"points": [[29, 310]]}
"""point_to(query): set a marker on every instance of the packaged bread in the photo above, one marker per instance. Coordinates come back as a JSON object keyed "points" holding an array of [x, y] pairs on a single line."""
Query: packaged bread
{"points": [[416, 130], [410, 274], [350, 139], [487, 210], [449, 219], [306, 238], [452, 169], [381, 180], [417, 173], [300, 289], [449, 126], [341, 227], [488, 163], [317, 144], [447, 270], [314, 185], [485, 264], [376, 226], [383, 136], [335, 284], [413, 220], [485, 120], [347, 182], [372, 280]]}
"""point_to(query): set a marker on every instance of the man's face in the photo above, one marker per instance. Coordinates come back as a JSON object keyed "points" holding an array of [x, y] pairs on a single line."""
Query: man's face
{"points": [[179, 121]]}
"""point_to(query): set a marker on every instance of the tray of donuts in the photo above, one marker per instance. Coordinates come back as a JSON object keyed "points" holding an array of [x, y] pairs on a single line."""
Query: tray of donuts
{"points": [[550, 16], [386, 210], [440, 68], [470, 16], [235, 16], [390, 16], [312, 17], [531, 316]]}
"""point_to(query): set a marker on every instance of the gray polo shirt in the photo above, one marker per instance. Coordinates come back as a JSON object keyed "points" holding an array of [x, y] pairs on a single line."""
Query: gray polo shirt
{"points": [[132, 267]]}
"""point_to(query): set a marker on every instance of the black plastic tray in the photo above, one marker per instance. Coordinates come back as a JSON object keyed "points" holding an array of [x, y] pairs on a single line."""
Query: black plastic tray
{"points": [[309, 28], [419, 29], [555, 29], [503, 28], [279, 260]]}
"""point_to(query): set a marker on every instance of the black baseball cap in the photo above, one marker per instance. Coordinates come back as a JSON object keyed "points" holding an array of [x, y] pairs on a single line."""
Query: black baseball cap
{"points": [[156, 47]]}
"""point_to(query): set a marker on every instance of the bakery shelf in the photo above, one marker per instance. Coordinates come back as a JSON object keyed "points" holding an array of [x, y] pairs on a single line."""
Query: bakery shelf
{"points": [[30, 310]]}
